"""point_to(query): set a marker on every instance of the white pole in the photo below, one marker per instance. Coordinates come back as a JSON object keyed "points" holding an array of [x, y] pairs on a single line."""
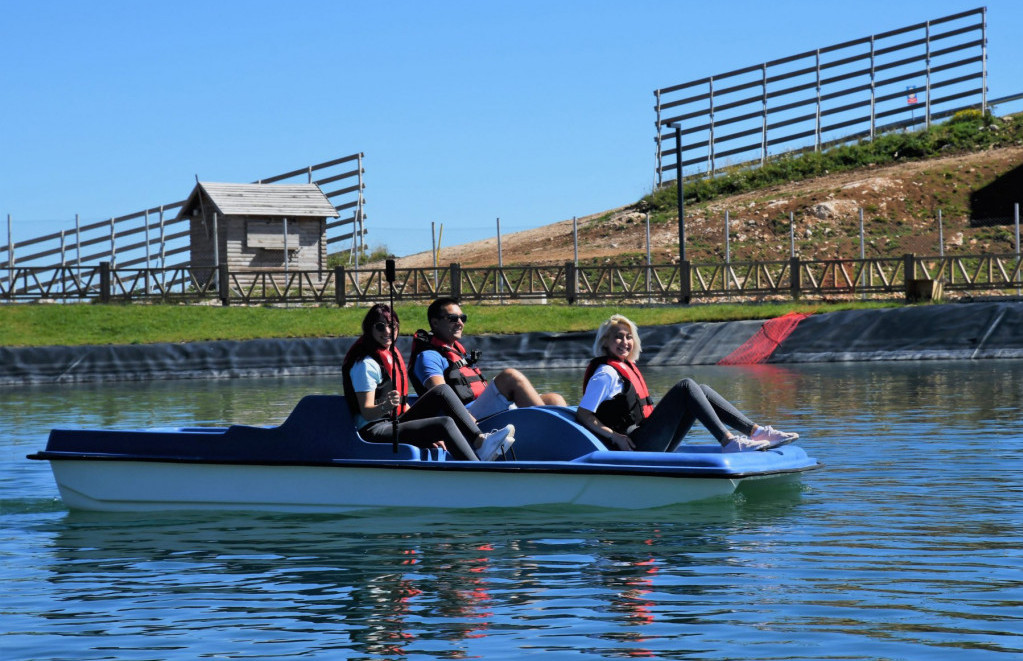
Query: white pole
{"points": [[10, 257], [78, 251], [1016, 214], [863, 254], [216, 241], [575, 241], [285, 247], [575, 231], [728, 249], [792, 235], [163, 252], [648, 260], [500, 258], [433, 241], [941, 235], [149, 264]]}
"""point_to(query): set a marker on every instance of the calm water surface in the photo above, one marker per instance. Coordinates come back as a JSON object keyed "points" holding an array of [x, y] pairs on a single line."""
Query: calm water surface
{"points": [[908, 545]]}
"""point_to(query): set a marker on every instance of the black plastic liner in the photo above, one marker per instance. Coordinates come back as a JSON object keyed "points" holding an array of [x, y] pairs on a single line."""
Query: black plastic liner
{"points": [[938, 332], [931, 332]]}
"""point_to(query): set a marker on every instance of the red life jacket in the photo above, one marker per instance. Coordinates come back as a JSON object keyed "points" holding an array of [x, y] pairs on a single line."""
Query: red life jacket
{"points": [[629, 408], [392, 366], [466, 380]]}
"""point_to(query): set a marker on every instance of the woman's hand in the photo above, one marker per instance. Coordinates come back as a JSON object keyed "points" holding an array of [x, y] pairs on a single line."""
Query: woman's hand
{"points": [[391, 401], [622, 441], [371, 410]]}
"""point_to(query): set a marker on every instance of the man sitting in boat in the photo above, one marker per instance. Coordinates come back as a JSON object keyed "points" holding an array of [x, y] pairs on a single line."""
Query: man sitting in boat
{"points": [[438, 357], [376, 389], [617, 407]]}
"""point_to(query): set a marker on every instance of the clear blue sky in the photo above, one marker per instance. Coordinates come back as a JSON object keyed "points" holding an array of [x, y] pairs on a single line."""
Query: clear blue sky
{"points": [[531, 111]]}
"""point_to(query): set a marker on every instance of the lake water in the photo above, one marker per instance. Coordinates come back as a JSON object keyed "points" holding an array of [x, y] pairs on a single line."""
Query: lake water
{"points": [[907, 545]]}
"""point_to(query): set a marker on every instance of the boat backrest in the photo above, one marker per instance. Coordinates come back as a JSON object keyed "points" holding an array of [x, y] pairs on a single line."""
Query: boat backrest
{"points": [[323, 426], [545, 433], [320, 428]]}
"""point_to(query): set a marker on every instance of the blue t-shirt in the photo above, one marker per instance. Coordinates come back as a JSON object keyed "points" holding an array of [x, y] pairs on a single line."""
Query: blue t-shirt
{"points": [[429, 363], [366, 376]]}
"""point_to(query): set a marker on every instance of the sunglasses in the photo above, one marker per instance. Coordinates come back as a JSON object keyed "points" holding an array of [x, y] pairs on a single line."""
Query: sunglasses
{"points": [[382, 326], [452, 318]]}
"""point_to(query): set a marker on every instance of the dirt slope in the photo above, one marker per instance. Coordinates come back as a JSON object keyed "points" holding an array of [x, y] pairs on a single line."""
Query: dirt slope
{"points": [[900, 205]]}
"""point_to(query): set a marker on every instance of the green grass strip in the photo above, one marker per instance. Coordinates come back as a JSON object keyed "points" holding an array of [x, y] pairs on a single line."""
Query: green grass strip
{"points": [[78, 324]]}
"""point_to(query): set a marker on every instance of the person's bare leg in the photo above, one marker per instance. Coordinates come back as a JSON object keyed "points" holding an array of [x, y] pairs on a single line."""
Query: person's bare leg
{"points": [[516, 388]]}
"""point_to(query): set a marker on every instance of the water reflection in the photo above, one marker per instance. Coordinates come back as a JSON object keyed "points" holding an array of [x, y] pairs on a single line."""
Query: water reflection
{"points": [[395, 584]]}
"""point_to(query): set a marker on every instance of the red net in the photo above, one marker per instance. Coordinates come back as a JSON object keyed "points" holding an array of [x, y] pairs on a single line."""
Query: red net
{"points": [[759, 348]]}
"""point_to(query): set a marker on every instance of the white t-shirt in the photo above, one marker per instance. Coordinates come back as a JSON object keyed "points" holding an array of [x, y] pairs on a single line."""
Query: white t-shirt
{"points": [[605, 383], [366, 376]]}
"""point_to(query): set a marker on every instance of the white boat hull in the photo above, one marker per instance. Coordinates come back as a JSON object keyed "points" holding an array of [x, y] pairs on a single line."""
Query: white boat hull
{"points": [[148, 486]]}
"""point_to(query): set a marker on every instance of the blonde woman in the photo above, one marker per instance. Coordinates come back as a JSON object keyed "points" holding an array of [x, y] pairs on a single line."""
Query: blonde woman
{"points": [[617, 407]]}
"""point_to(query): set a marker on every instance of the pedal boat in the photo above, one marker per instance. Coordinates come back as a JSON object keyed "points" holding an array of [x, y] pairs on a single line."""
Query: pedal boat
{"points": [[316, 462]]}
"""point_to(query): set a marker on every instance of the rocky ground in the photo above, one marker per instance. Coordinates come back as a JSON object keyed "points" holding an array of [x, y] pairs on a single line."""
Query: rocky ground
{"points": [[900, 206]]}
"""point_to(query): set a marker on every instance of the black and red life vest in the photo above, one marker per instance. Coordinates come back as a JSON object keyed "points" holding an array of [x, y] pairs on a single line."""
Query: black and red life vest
{"points": [[392, 366], [629, 408], [464, 378]]}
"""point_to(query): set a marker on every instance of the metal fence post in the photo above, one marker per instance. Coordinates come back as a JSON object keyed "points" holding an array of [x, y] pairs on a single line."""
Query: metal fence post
{"points": [[456, 281], [570, 283], [104, 282], [339, 286]]}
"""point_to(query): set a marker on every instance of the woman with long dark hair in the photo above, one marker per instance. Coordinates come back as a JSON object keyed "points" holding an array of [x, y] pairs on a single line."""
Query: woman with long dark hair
{"points": [[376, 390], [617, 407]]}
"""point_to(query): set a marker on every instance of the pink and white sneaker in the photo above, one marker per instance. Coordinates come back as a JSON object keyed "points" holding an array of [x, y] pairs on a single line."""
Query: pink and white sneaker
{"points": [[744, 444], [775, 437]]}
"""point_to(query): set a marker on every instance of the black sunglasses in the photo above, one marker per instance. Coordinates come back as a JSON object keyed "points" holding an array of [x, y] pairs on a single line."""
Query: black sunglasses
{"points": [[452, 318], [382, 326]]}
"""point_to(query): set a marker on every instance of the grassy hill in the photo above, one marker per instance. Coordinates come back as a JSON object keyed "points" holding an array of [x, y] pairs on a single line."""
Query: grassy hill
{"points": [[969, 168]]}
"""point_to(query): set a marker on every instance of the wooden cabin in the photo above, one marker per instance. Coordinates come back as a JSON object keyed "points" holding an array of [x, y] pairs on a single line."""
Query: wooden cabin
{"points": [[246, 223]]}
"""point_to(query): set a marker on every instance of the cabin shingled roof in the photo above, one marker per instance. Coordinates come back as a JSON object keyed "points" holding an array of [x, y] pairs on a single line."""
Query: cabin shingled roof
{"points": [[275, 200]]}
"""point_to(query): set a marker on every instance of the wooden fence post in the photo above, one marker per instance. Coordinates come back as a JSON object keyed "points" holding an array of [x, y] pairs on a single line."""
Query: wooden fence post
{"points": [[795, 278], [456, 281], [339, 286], [104, 282], [570, 283], [908, 274], [224, 285]]}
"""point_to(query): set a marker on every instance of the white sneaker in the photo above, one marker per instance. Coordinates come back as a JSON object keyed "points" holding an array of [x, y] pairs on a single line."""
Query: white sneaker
{"points": [[774, 436], [744, 444], [496, 442]]}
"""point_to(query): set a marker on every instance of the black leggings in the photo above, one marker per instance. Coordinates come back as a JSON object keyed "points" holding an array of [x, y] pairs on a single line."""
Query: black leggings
{"points": [[438, 415], [674, 415]]}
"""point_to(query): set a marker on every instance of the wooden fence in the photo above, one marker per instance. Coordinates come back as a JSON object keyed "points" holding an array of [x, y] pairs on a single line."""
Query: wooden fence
{"points": [[906, 276], [155, 239], [836, 94]]}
